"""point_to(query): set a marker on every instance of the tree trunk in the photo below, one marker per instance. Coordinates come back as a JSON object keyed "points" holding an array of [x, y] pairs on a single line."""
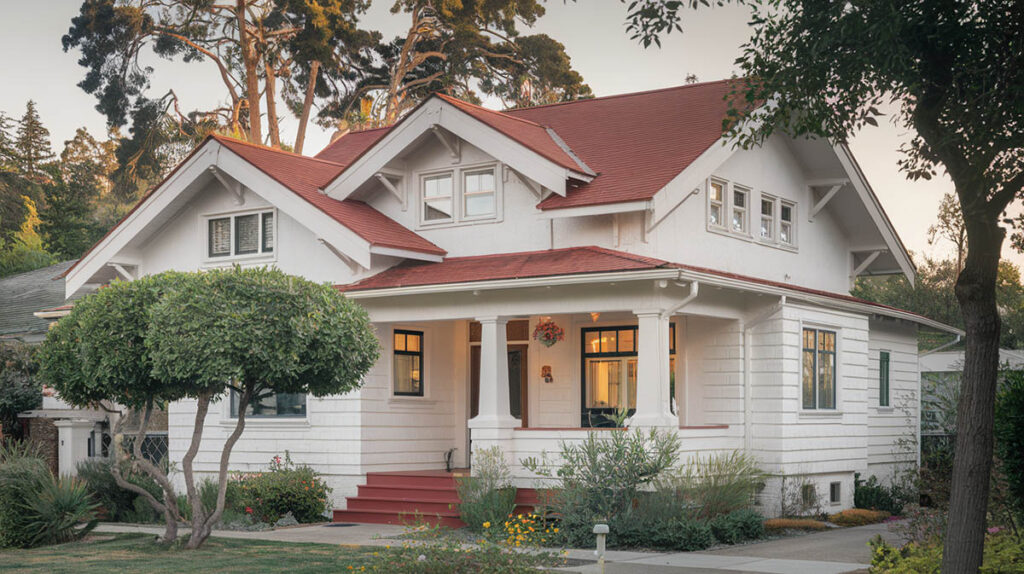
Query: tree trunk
{"points": [[273, 129], [252, 80], [972, 463], [307, 105]]}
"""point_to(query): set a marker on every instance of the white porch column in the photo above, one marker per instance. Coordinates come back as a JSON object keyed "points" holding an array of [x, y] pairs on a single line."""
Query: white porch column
{"points": [[73, 444], [494, 408], [653, 403]]}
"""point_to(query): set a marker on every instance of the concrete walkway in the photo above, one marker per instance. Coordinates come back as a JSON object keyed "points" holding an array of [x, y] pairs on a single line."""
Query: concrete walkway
{"points": [[838, 551]]}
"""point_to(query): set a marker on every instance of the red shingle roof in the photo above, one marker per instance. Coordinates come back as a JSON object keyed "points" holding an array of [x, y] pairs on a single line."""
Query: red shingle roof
{"points": [[637, 142], [566, 261], [305, 176]]}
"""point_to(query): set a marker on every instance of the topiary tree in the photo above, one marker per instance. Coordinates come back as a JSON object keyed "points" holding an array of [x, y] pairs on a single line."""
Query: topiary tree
{"points": [[255, 331], [196, 336]]}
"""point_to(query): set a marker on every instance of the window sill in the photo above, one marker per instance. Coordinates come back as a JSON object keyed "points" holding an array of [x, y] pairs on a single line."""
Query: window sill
{"points": [[411, 401], [425, 226], [228, 261], [270, 422], [809, 414], [749, 238], [885, 410]]}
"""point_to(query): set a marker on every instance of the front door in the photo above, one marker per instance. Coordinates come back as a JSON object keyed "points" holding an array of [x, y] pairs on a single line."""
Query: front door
{"points": [[517, 381]]}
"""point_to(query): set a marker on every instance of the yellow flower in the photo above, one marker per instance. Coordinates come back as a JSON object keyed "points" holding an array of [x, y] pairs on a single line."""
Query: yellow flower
{"points": [[487, 524]]}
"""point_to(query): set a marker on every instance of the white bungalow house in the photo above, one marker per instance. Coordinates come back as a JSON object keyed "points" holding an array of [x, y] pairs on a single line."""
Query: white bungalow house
{"points": [[701, 287]]}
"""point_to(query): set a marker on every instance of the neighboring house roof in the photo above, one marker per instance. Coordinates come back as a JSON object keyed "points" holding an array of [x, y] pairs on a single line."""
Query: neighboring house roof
{"points": [[306, 176], [23, 294], [348, 147], [582, 261], [566, 261]]}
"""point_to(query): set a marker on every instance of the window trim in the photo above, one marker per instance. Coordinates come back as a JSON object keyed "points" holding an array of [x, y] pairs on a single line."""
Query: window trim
{"points": [[884, 378], [261, 254], [232, 405], [451, 197], [459, 216], [723, 205], [464, 195], [421, 354], [817, 408]]}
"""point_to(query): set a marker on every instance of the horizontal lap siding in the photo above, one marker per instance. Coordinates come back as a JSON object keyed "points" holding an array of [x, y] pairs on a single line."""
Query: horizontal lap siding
{"points": [[893, 432]]}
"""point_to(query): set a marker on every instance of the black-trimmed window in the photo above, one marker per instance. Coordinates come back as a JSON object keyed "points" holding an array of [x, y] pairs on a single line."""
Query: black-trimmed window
{"points": [[408, 363], [270, 405], [883, 378], [244, 234], [610, 371], [819, 369]]}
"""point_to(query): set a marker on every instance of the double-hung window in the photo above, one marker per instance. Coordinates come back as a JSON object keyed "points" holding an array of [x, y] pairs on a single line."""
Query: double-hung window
{"points": [[241, 235], [786, 222], [460, 195], [716, 207], [767, 217], [740, 199], [819, 369], [408, 363], [883, 378]]}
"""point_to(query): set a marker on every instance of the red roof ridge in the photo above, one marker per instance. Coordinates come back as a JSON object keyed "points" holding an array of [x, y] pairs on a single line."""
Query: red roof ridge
{"points": [[229, 139], [625, 95], [456, 101]]}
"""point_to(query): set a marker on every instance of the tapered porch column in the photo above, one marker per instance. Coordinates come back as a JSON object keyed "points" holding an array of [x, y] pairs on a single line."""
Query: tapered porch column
{"points": [[494, 407], [653, 404]]}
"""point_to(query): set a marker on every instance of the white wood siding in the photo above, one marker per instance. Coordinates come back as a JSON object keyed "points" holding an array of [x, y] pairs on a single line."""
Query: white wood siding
{"points": [[894, 432]]}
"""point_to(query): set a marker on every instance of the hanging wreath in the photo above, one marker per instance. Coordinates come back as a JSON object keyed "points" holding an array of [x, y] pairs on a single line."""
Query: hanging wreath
{"points": [[548, 333]]}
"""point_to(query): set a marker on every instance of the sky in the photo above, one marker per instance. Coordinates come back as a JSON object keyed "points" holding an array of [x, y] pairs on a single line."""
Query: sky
{"points": [[34, 66]]}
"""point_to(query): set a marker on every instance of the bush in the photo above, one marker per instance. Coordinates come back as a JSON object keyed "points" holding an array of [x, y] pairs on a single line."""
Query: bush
{"points": [[738, 526], [20, 478], [871, 495], [285, 488], [858, 517], [640, 529], [1004, 552], [716, 485], [775, 525], [120, 505], [488, 497], [600, 477], [1009, 438]]}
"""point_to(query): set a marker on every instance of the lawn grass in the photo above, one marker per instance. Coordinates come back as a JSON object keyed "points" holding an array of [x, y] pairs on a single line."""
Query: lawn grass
{"points": [[139, 553]]}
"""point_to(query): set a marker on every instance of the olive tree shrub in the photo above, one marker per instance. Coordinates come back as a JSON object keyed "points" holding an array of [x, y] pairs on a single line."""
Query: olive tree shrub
{"points": [[197, 336]]}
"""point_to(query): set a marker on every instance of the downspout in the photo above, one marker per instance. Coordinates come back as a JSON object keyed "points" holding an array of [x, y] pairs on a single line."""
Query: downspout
{"points": [[748, 338]]}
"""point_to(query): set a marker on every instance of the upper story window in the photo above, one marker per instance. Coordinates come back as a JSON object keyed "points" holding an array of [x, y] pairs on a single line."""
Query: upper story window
{"points": [[740, 199], [768, 217], [461, 195], [241, 235], [819, 369], [786, 223], [716, 208]]}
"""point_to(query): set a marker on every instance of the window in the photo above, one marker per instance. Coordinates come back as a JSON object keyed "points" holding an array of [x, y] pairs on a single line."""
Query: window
{"points": [[478, 194], [835, 493], [716, 209], [240, 235], [610, 371], [272, 405], [767, 217], [437, 198], [786, 235], [883, 378], [739, 209], [408, 363], [819, 369]]}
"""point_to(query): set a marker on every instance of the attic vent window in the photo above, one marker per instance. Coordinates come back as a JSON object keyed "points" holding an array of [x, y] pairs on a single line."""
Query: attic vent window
{"points": [[241, 235]]}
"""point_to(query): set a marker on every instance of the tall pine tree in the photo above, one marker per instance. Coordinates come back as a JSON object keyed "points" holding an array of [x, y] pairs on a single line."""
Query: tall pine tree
{"points": [[32, 144], [8, 155]]}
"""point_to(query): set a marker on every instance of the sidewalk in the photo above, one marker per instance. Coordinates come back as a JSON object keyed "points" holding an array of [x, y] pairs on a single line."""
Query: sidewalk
{"points": [[836, 551]]}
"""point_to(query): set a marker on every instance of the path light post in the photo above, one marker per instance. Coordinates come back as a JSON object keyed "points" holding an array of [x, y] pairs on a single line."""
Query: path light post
{"points": [[601, 530]]}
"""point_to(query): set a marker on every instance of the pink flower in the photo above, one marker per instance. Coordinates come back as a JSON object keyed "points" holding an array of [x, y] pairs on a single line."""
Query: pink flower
{"points": [[995, 529]]}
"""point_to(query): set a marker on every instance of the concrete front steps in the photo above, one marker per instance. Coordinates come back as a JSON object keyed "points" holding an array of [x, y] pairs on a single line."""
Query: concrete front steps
{"points": [[410, 497]]}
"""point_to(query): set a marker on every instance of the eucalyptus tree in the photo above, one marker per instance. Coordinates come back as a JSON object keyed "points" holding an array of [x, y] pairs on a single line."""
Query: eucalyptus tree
{"points": [[954, 72]]}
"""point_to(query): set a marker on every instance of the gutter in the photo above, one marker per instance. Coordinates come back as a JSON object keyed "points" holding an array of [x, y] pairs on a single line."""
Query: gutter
{"points": [[956, 340]]}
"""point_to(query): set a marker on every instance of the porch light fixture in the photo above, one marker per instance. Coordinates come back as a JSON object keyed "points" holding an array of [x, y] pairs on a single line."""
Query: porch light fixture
{"points": [[594, 316]]}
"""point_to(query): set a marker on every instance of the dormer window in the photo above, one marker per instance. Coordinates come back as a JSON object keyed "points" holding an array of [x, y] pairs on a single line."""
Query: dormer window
{"points": [[458, 196], [241, 235]]}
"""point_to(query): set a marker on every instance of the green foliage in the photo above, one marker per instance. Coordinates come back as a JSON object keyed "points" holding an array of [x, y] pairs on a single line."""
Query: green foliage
{"points": [[738, 526], [1004, 553], [60, 510], [20, 390], [1009, 437], [20, 478], [438, 551], [638, 529], [26, 251], [870, 494], [120, 505], [32, 143], [601, 476], [716, 485], [488, 497], [285, 488]]}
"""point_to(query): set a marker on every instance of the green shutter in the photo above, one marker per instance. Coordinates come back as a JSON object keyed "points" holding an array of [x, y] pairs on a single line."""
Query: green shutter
{"points": [[883, 378]]}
